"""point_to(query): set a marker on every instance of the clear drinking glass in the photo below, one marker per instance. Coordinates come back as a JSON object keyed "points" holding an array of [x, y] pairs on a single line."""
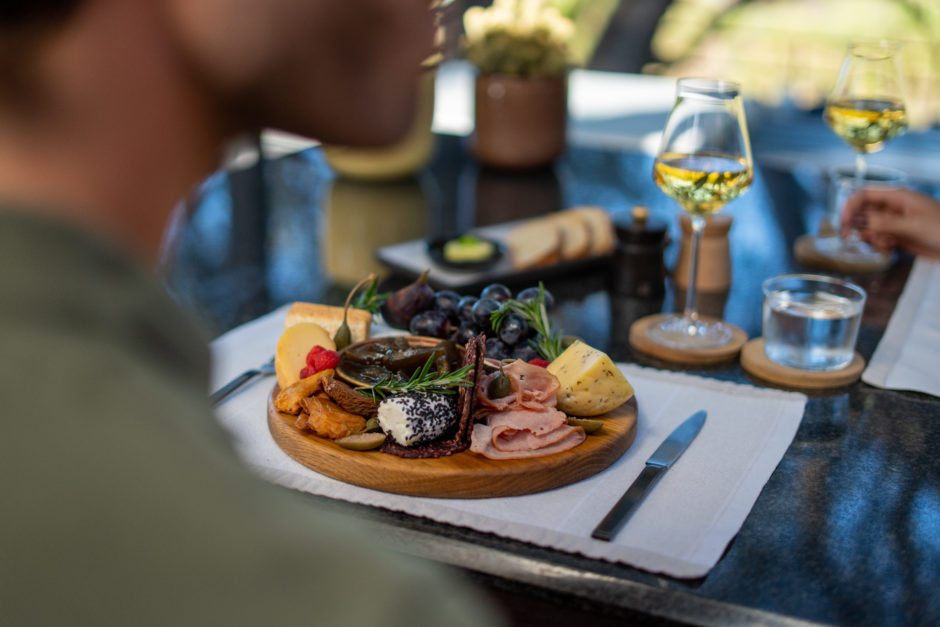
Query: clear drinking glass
{"points": [[811, 321], [866, 108], [704, 162], [843, 182]]}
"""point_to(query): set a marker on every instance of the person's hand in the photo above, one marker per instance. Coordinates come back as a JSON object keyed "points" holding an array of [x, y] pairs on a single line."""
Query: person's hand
{"points": [[895, 218]]}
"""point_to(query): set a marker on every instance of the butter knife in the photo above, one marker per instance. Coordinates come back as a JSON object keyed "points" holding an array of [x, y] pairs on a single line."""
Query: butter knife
{"points": [[656, 466]]}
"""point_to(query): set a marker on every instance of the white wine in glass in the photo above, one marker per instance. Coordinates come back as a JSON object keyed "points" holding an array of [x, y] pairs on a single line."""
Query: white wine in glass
{"points": [[704, 162], [866, 109]]}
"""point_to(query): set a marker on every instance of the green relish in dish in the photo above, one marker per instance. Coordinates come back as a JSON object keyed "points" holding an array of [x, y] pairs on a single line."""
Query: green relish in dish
{"points": [[468, 249]]}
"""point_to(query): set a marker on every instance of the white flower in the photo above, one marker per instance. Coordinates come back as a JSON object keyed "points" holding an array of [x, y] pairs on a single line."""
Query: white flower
{"points": [[518, 16]]}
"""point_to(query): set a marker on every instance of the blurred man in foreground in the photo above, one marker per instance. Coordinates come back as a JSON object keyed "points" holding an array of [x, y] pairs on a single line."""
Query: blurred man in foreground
{"points": [[123, 502]]}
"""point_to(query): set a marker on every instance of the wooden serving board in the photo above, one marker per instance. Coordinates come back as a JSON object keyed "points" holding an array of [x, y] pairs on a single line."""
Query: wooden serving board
{"points": [[464, 475]]}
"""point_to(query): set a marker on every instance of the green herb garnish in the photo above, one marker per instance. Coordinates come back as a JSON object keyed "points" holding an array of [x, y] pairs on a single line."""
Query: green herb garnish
{"points": [[423, 380], [547, 342], [369, 299]]}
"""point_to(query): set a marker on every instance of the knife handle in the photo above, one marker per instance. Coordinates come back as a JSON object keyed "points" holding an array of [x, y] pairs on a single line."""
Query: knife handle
{"points": [[620, 512]]}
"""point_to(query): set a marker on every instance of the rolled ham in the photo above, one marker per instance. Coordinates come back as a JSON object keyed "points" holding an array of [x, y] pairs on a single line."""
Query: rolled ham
{"points": [[524, 433], [531, 387]]}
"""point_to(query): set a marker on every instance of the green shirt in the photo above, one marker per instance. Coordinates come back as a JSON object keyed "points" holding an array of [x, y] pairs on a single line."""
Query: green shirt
{"points": [[123, 502]]}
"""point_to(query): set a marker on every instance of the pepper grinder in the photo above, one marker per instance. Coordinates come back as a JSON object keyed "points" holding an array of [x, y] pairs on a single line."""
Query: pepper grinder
{"points": [[638, 259], [714, 263]]}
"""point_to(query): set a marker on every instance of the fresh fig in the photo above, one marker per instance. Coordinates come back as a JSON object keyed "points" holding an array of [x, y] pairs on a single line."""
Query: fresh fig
{"points": [[406, 303]]}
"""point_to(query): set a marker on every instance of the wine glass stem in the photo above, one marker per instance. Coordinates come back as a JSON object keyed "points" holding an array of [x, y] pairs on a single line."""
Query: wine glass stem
{"points": [[691, 311], [861, 168]]}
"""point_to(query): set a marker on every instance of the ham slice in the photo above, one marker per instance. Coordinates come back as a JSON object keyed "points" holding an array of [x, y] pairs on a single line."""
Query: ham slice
{"points": [[524, 433], [531, 387]]}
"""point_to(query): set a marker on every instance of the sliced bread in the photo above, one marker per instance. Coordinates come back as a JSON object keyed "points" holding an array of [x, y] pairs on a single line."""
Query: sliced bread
{"points": [[533, 243]]}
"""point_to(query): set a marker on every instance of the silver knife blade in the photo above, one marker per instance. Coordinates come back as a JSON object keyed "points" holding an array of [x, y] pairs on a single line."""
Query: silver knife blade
{"points": [[657, 464]]}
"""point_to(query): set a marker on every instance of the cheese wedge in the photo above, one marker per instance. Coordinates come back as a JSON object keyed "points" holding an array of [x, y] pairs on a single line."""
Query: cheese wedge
{"points": [[291, 354], [590, 383]]}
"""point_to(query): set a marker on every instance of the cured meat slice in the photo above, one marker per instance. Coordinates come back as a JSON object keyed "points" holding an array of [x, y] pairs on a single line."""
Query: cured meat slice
{"points": [[538, 385], [525, 430], [524, 433], [481, 443], [531, 387]]}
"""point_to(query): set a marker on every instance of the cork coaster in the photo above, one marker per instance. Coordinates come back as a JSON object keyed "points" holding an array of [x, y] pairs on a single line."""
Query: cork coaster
{"points": [[754, 361], [806, 252], [641, 342]]}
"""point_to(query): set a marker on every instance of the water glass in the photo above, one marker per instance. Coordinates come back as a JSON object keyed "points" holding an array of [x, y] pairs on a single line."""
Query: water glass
{"points": [[811, 321]]}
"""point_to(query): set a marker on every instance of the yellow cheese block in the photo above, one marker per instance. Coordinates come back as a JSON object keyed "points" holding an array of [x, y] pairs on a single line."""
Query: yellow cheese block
{"points": [[591, 384], [292, 348]]}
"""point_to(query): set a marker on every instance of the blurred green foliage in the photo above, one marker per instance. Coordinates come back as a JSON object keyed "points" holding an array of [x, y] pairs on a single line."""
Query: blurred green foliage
{"points": [[791, 50]]}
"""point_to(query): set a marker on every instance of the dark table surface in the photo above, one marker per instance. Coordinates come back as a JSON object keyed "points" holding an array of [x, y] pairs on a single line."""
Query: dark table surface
{"points": [[847, 529]]}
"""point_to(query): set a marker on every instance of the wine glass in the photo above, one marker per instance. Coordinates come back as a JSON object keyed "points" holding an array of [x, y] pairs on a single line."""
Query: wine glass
{"points": [[704, 162], [866, 109]]}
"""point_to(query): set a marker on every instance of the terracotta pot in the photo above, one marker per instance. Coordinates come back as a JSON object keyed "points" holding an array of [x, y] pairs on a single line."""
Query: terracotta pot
{"points": [[520, 122]]}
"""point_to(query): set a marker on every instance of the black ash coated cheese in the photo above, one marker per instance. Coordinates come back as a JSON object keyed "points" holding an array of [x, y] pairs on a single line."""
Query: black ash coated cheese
{"points": [[416, 417]]}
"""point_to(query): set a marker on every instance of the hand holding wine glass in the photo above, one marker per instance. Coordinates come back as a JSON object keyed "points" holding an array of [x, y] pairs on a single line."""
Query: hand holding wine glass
{"points": [[704, 162], [866, 108]]}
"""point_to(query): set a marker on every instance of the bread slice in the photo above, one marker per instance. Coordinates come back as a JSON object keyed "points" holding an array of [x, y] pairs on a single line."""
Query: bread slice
{"points": [[601, 227], [575, 234], [330, 318], [533, 243]]}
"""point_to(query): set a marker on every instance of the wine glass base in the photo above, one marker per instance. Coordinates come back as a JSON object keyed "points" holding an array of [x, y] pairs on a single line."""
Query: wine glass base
{"points": [[644, 346], [686, 333], [848, 251], [823, 253]]}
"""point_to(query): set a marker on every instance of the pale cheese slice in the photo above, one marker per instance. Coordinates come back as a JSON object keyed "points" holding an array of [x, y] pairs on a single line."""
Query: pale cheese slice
{"points": [[292, 348]]}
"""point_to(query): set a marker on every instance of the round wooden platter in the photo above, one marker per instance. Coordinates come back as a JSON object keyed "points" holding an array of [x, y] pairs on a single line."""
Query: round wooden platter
{"points": [[464, 475]]}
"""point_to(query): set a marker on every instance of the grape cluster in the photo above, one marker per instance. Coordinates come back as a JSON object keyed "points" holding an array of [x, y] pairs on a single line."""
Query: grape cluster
{"points": [[459, 318]]}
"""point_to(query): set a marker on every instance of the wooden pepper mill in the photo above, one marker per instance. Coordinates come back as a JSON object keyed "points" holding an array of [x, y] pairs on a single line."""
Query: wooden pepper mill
{"points": [[714, 262]]}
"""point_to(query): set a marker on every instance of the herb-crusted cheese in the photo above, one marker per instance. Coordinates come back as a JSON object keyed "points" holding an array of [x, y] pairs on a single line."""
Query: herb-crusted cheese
{"points": [[591, 384]]}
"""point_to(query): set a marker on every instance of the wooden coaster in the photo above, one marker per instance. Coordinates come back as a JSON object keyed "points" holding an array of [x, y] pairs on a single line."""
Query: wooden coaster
{"points": [[756, 362], [806, 252], [716, 354]]}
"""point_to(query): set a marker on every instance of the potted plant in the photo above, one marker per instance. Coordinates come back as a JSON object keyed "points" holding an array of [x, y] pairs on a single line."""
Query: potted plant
{"points": [[520, 49]]}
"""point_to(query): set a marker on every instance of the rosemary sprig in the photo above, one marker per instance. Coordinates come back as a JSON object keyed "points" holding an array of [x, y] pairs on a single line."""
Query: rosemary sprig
{"points": [[548, 341], [423, 380], [370, 300]]}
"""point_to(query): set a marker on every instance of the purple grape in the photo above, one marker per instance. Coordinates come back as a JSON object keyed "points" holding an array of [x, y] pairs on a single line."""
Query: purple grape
{"points": [[432, 322], [532, 293], [496, 291], [496, 349], [525, 352], [446, 301], [513, 329], [465, 331], [482, 310], [465, 308]]}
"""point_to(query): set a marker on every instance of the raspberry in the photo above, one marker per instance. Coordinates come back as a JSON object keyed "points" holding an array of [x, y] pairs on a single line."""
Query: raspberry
{"points": [[325, 360], [316, 350], [307, 371], [538, 361]]}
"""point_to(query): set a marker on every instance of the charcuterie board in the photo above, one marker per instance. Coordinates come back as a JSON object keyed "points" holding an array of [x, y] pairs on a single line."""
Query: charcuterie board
{"points": [[464, 475]]}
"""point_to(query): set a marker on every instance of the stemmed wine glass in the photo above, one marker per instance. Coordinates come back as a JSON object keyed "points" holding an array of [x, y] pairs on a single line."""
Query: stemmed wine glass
{"points": [[866, 109], [704, 162]]}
